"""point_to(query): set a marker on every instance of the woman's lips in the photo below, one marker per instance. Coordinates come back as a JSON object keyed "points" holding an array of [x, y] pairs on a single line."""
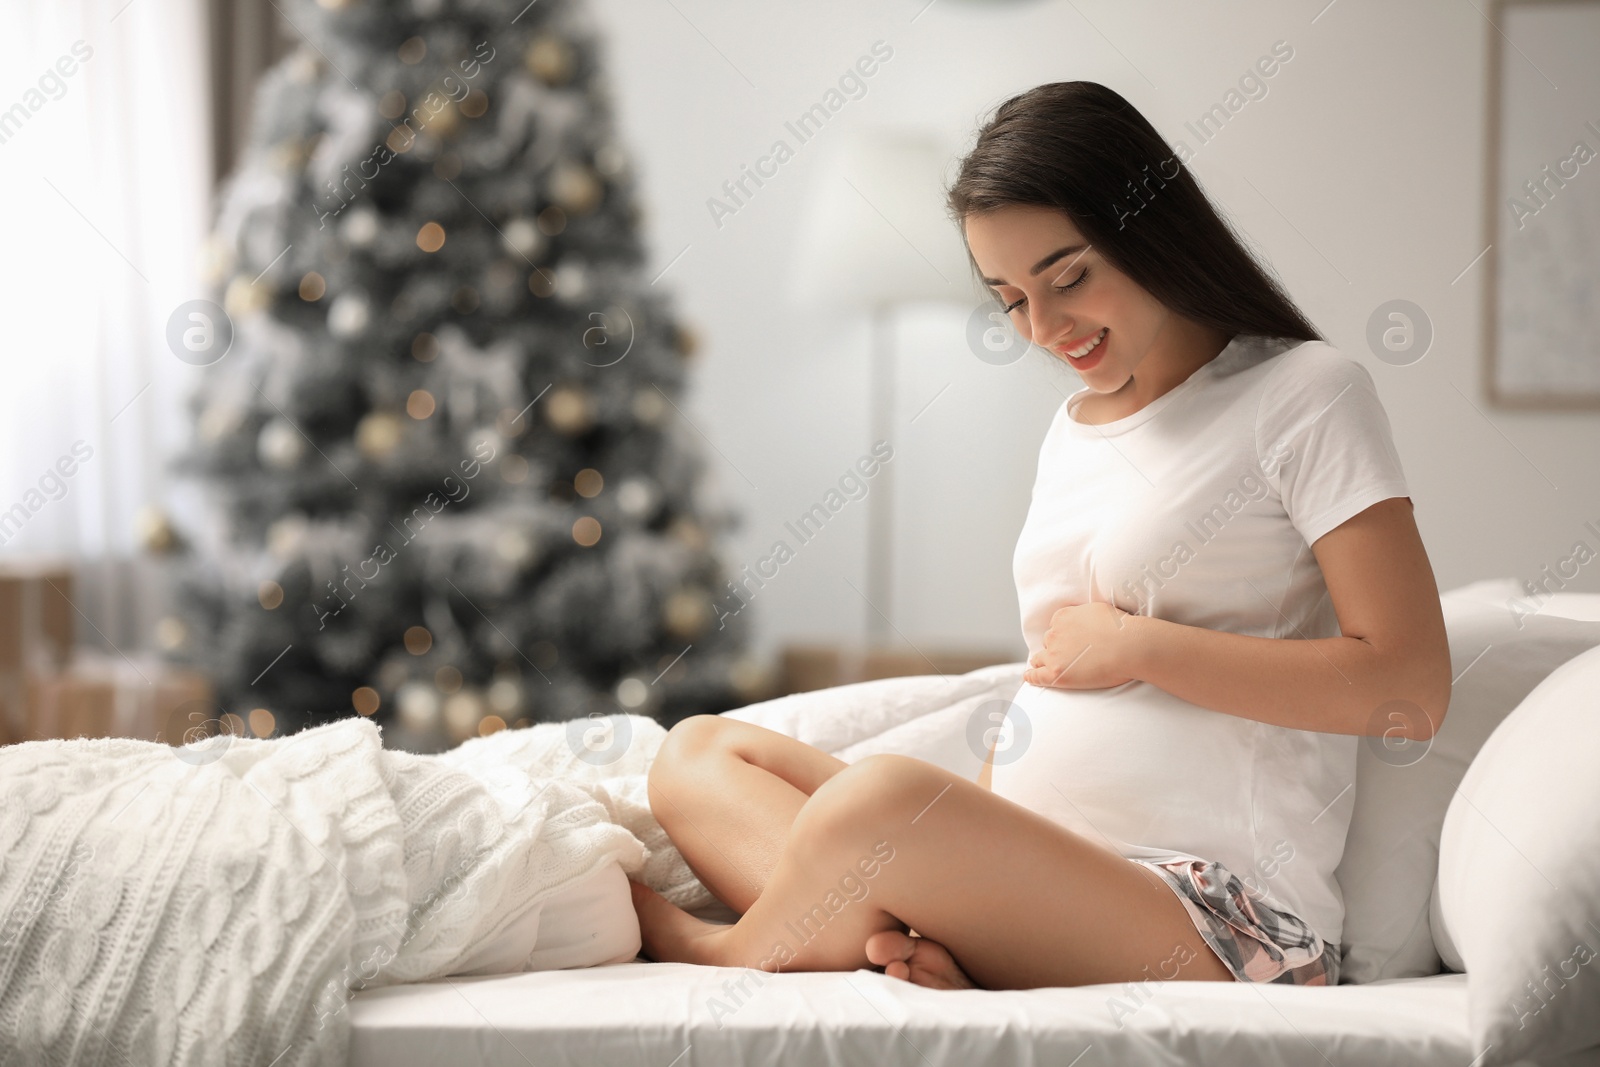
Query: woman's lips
{"points": [[1093, 358]]}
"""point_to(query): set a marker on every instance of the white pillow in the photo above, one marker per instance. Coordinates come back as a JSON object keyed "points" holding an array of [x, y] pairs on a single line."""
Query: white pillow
{"points": [[1497, 656], [1519, 874]]}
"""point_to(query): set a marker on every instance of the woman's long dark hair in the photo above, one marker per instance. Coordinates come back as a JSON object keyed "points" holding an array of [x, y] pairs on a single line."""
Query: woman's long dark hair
{"points": [[1081, 148]]}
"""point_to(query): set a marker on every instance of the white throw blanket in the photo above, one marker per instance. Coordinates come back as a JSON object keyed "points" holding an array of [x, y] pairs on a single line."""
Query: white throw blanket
{"points": [[220, 903]]}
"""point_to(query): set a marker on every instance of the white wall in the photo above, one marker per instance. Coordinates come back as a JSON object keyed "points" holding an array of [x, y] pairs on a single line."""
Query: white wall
{"points": [[1358, 178]]}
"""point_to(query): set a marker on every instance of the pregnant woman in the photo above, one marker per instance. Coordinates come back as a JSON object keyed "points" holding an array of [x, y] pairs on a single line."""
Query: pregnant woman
{"points": [[1221, 588]]}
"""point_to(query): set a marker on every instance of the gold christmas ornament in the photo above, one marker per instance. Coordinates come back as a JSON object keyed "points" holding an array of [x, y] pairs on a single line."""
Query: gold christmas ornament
{"points": [[448, 168], [418, 640], [686, 340], [262, 722], [575, 187], [244, 298], [552, 220], [686, 613], [285, 535], [447, 122], [365, 700], [569, 409], [270, 594], [290, 154], [475, 104], [649, 406], [392, 104], [447, 679], [511, 423], [378, 434], [588, 482], [514, 469], [550, 59], [413, 50], [218, 420], [312, 286], [424, 347], [586, 531], [689, 532], [171, 633], [419, 405], [304, 66], [216, 259], [154, 530], [431, 237], [463, 712], [610, 160]]}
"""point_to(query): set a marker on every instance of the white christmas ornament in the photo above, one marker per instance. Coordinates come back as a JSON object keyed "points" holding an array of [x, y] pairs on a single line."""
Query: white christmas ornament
{"points": [[523, 238], [515, 547], [610, 160], [280, 445], [505, 697], [418, 704], [361, 228], [463, 711], [348, 315], [633, 693], [637, 496], [571, 280], [285, 536]]}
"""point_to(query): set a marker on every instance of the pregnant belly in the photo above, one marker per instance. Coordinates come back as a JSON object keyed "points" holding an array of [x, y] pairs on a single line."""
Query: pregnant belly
{"points": [[1133, 768]]}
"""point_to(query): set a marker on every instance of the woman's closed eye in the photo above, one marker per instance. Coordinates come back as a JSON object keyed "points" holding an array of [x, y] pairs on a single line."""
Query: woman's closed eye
{"points": [[1060, 289]]}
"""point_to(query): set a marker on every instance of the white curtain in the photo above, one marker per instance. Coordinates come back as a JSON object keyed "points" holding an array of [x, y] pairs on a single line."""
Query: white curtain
{"points": [[105, 178]]}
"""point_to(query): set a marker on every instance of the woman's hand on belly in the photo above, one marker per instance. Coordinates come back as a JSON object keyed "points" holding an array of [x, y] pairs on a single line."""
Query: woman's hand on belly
{"points": [[1084, 648]]}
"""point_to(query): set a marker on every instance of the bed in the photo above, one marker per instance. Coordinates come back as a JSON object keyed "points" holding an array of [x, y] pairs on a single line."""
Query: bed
{"points": [[604, 1005], [319, 898]]}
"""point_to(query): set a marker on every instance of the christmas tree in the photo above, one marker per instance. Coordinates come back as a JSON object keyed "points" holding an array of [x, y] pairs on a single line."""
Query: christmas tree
{"points": [[438, 446]]}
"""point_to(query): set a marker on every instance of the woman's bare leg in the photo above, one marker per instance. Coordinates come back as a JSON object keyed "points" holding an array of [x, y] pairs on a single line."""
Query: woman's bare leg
{"points": [[727, 793], [891, 841]]}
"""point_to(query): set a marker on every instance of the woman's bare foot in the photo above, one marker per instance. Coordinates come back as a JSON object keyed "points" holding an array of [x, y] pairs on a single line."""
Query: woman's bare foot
{"points": [[670, 934], [917, 960]]}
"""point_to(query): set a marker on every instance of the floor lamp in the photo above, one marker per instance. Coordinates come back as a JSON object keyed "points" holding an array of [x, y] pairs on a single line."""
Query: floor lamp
{"points": [[876, 236]]}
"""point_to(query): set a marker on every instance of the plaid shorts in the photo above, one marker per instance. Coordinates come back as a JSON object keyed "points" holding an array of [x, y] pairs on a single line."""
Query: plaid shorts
{"points": [[1257, 943]]}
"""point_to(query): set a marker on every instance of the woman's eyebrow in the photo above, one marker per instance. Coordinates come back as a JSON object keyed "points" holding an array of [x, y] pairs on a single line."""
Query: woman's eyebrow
{"points": [[1045, 262]]}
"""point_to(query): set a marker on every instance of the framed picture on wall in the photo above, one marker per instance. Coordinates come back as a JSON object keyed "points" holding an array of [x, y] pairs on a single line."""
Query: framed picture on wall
{"points": [[1542, 276]]}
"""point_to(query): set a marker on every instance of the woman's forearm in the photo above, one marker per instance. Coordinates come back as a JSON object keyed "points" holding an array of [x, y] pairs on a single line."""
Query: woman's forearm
{"points": [[1341, 685]]}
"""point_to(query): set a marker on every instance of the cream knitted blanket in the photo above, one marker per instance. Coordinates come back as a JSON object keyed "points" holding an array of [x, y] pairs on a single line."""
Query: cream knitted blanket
{"points": [[221, 902]]}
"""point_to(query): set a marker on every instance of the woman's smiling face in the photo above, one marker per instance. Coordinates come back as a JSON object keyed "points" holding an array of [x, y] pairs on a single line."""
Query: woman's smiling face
{"points": [[1061, 293]]}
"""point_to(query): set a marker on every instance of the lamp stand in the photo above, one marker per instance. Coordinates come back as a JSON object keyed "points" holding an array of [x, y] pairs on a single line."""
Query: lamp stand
{"points": [[880, 511]]}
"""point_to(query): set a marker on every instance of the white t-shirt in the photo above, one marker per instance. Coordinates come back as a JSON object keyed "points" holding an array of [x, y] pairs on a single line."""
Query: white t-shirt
{"points": [[1200, 508]]}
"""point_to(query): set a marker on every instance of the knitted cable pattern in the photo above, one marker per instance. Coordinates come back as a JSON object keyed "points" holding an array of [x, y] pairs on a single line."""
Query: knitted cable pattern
{"points": [[220, 905]]}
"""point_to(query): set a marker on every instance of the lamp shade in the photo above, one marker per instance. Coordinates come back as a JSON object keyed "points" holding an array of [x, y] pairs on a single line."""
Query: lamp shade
{"points": [[875, 231]]}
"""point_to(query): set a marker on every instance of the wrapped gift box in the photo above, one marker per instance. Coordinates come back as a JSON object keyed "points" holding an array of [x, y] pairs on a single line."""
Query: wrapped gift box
{"points": [[109, 696], [36, 631]]}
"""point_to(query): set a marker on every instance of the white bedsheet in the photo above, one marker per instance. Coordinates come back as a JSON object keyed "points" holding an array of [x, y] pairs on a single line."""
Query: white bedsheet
{"points": [[649, 1014]]}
